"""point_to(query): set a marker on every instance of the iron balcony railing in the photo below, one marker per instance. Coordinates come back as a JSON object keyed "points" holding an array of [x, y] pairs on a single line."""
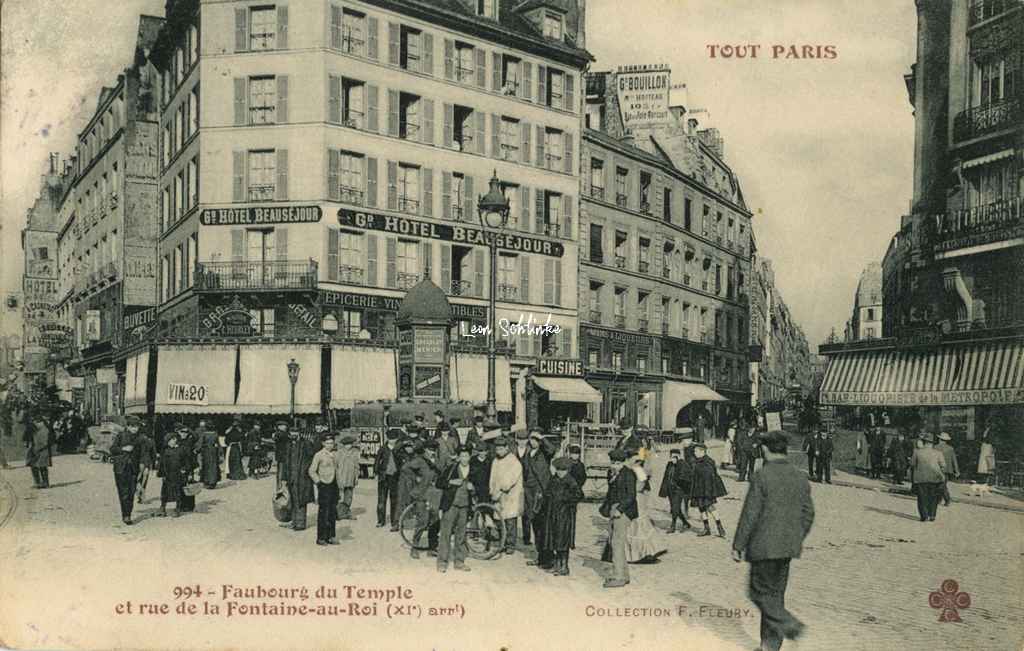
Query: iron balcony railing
{"points": [[666, 272], [407, 280], [597, 192], [552, 229], [353, 119], [595, 316], [461, 287], [350, 274], [554, 161], [279, 274], [408, 130], [261, 114], [350, 195], [465, 74], [990, 217], [645, 207], [988, 118], [510, 87], [982, 10], [411, 206], [463, 142], [263, 192], [352, 45], [509, 152], [457, 213], [508, 292], [262, 40], [642, 325]]}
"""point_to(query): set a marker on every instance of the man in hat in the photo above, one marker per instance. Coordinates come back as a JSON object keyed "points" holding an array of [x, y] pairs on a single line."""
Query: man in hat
{"points": [[407, 452], [125, 457], [418, 426], [387, 466], [952, 468], [447, 444], [928, 475], [423, 470], [300, 452], [439, 424], [536, 476], [254, 446], [776, 518], [414, 433], [809, 446], [560, 528], [745, 444], [823, 456], [620, 507], [348, 456], [675, 489], [281, 439], [876, 449], [506, 488], [457, 490], [475, 433], [323, 470], [147, 458], [577, 470], [480, 473]]}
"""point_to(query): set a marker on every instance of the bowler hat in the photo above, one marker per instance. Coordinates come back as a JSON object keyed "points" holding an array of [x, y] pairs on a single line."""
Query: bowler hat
{"points": [[562, 463], [430, 445], [617, 455], [281, 422]]}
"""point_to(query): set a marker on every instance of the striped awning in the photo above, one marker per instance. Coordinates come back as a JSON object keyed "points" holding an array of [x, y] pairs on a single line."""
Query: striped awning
{"points": [[978, 373]]}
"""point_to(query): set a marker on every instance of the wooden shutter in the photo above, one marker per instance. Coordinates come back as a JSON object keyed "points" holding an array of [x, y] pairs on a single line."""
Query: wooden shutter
{"points": [[333, 165], [468, 199], [539, 147], [241, 101], [446, 268], [391, 269], [478, 273], [565, 346], [332, 254], [526, 80], [567, 203], [658, 315], [524, 204], [334, 99], [495, 136], [371, 182], [336, 27], [524, 279], [371, 260], [448, 134], [237, 245], [427, 62], [481, 67], [394, 43], [449, 59], [524, 152], [542, 85], [570, 92], [549, 281], [392, 185], [282, 99], [538, 217], [656, 200], [427, 129], [372, 122], [241, 29], [567, 156], [446, 194], [427, 258], [481, 132], [496, 72], [282, 27], [238, 175], [281, 242], [281, 191], [393, 113], [557, 264], [372, 30], [428, 191]]}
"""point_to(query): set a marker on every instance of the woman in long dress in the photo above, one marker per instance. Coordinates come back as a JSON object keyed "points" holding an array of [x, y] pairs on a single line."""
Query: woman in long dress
{"points": [[986, 457], [863, 461], [235, 437], [644, 543]]}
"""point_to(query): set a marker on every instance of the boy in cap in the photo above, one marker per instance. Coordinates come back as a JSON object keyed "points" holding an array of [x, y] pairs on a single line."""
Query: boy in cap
{"points": [[386, 466], [560, 529], [506, 488], [620, 507], [147, 458], [707, 488], [348, 475], [456, 499], [673, 488], [323, 470]]}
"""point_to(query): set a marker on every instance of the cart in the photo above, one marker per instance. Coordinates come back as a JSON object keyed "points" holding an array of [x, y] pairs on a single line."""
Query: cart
{"points": [[596, 440]]}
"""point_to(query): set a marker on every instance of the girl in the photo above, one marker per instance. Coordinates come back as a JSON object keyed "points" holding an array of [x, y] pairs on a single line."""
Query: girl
{"points": [[707, 488], [643, 542]]}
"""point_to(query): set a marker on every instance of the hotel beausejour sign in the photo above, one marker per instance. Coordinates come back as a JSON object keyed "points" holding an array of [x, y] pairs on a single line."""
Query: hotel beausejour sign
{"points": [[559, 367], [449, 233], [257, 215]]}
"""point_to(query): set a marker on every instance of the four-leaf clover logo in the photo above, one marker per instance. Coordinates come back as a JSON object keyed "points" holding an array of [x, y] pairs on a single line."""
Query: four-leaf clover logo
{"points": [[949, 600]]}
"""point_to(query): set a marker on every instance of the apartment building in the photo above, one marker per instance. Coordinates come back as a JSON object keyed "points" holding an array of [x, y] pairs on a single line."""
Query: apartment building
{"points": [[318, 159]]}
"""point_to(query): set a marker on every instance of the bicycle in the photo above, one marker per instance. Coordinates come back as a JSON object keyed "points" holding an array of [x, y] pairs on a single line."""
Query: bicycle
{"points": [[485, 531]]}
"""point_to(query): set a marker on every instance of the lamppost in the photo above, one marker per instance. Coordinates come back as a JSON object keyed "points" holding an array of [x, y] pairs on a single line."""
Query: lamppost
{"points": [[293, 377], [493, 208]]}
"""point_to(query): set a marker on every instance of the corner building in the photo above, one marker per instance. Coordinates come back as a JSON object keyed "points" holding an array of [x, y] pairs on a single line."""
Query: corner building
{"points": [[321, 158]]}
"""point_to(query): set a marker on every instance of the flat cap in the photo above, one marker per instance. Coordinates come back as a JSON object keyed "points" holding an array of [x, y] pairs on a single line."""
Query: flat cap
{"points": [[617, 455], [562, 463]]}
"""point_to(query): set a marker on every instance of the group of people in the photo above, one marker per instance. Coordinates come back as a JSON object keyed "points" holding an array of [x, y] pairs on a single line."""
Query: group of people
{"points": [[819, 448]]}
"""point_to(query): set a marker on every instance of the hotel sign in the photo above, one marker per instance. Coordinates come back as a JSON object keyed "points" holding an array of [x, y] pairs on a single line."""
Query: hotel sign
{"points": [[924, 398], [447, 232], [257, 215], [559, 367]]}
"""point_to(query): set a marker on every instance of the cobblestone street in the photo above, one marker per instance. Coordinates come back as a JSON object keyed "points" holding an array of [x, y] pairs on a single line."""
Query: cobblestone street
{"points": [[863, 581]]}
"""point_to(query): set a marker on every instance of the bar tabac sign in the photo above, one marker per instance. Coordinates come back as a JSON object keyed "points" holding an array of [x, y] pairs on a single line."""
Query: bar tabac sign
{"points": [[450, 233]]}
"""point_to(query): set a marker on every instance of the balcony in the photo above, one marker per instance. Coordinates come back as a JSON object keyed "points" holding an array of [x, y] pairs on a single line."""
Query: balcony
{"points": [[457, 213], [554, 162], [406, 280], [281, 274], [262, 115], [510, 88], [461, 288], [620, 321], [407, 205], [686, 279], [597, 192], [982, 10], [508, 292], [643, 266], [353, 119], [642, 325], [264, 192], [552, 229], [989, 118], [462, 143], [351, 275], [620, 261], [350, 195], [992, 222], [595, 316], [620, 200]]}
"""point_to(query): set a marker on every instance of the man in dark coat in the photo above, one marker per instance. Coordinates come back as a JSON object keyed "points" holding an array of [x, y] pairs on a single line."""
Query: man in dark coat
{"points": [[536, 475], [560, 528], [810, 446], [480, 473], [620, 507], [300, 452], [422, 470], [675, 490], [209, 451], [777, 515], [876, 448], [147, 461], [952, 467], [386, 466], [898, 458], [706, 488], [823, 455], [474, 434], [173, 463], [254, 447], [577, 470], [39, 451], [234, 438], [746, 441], [407, 451], [125, 457]]}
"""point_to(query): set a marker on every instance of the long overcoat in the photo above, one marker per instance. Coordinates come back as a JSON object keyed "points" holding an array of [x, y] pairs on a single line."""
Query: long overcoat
{"points": [[507, 486]]}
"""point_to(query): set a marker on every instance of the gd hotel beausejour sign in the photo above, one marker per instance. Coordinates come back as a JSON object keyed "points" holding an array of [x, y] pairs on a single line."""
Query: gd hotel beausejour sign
{"points": [[458, 234], [256, 215]]}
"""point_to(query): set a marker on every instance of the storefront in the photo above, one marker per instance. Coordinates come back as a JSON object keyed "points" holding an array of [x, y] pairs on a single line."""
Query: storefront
{"points": [[684, 403], [557, 393]]}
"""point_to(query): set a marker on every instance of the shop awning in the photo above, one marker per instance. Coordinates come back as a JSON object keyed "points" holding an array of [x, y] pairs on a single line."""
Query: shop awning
{"points": [[136, 374], [676, 395], [979, 373], [988, 158], [568, 389], [195, 379], [469, 380], [359, 373], [264, 387]]}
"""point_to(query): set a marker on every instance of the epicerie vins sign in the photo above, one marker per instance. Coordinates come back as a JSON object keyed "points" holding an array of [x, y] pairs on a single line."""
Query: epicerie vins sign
{"points": [[187, 394], [255, 215]]}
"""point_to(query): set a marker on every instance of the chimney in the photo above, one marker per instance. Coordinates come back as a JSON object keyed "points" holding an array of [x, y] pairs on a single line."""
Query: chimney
{"points": [[581, 24], [54, 162], [691, 126]]}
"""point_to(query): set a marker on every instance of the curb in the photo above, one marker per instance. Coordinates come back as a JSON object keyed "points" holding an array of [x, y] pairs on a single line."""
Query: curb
{"points": [[959, 500], [13, 500]]}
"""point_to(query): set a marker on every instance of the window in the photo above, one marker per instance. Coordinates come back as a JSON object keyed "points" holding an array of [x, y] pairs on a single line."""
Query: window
{"points": [[408, 189], [595, 301], [621, 248], [351, 323], [176, 272], [165, 213], [645, 192], [509, 139], [554, 147], [465, 70], [353, 32], [871, 314], [179, 128], [262, 100], [353, 96], [617, 359], [997, 79], [556, 89], [410, 48], [262, 28], [407, 263], [458, 196], [594, 357], [262, 171], [350, 258], [552, 214], [869, 333], [260, 245], [487, 8], [508, 277], [552, 26], [408, 116], [645, 255], [193, 182], [621, 184], [512, 195], [462, 134], [179, 65], [510, 75], [620, 307], [193, 110], [262, 320], [350, 177], [718, 279], [114, 181], [179, 195], [641, 310], [596, 243], [641, 364], [597, 178], [165, 278], [167, 144], [706, 225], [666, 204]]}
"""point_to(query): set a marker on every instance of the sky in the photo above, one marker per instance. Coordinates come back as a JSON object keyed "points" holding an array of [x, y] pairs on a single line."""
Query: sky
{"points": [[823, 148]]}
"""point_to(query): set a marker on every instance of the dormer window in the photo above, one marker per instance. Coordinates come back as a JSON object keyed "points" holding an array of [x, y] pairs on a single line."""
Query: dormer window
{"points": [[487, 8], [552, 26]]}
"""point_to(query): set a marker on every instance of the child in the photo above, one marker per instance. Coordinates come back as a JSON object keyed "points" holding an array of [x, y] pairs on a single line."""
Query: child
{"points": [[174, 466], [707, 488], [674, 489], [562, 494], [577, 470]]}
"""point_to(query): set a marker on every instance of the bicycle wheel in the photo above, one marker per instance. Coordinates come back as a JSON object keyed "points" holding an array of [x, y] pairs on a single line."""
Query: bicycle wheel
{"points": [[408, 525], [485, 532]]}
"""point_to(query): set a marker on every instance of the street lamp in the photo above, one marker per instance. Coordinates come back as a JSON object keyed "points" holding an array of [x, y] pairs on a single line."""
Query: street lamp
{"points": [[493, 208], [293, 377]]}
